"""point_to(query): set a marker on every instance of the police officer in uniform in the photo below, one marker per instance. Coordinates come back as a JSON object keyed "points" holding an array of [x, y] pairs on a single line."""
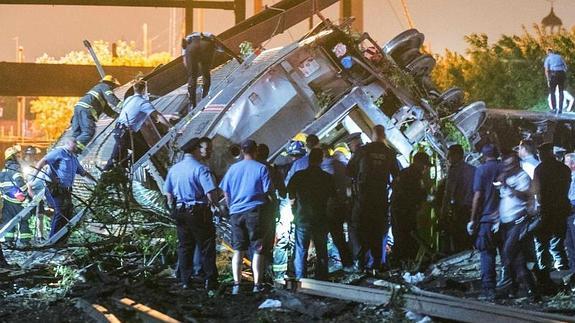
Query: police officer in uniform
{"points": [[127, 130], [199, 50], [371, 167], [191, 189], [99, 99], [63, 165], [14, 191]]}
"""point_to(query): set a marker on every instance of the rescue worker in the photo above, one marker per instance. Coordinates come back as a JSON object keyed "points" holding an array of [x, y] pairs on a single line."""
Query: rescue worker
{"points": [[515, 193], [409, 193], [15, 191], [484, 216], [136, 109], [527, 152], [309, 190], [371, 167], [247, 186], [99, 99], [551, 184], [337, 205], [555, 73], [457, 199], [311, 141], [199, 49], [191, 189], [63, 165]]}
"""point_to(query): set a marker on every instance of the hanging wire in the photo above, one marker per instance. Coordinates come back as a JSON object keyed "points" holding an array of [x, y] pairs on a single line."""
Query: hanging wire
{"points": [[396, 15]]}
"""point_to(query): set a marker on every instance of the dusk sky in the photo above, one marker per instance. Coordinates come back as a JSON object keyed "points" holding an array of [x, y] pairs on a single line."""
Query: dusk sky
{"points": [[56, 30]]}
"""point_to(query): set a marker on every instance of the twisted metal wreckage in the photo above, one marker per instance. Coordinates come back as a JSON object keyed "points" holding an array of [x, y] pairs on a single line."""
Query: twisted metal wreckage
{"points": [[331, 83]]}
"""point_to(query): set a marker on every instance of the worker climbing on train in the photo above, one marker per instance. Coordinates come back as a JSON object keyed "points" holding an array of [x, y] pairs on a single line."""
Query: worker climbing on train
{"points": [[15, 192], [99, 99], [199, 49]]}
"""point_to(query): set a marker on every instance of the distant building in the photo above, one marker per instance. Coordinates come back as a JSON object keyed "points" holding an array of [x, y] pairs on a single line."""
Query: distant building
{"points": [[551, 22]]}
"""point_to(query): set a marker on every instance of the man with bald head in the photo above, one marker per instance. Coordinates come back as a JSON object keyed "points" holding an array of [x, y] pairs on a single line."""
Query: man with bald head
{"points": [[371, 167]]}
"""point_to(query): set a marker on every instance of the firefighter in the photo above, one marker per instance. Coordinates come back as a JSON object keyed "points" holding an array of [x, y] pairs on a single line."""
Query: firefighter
{"points": [[15, 192], [199, 49], [63, 167], [99, 99]]}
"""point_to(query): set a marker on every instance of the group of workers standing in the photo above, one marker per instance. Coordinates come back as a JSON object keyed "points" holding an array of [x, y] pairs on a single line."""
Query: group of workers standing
{"points": [[316, 185], [520, 207]]}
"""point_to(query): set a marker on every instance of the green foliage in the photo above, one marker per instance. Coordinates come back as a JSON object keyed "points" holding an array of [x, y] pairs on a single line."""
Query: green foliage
{"points": [[508, 73], [453, 134], [246, 49], [68, 277], [53, 114]]}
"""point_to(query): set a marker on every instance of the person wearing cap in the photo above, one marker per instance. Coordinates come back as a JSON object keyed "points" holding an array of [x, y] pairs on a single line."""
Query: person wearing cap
{"points": [[136, 109], [527, 152], [555, 73], [354, 141], [191, 190], [311, 141], [370, 168], [408, 194], [559, 153], [309, 191], [457, 199], [515, 194], [551, 185], [99, 99], [570, 231], [15, 191], [247, 187], [198, 51], [483, 219], [63, 166], [338, 205]]}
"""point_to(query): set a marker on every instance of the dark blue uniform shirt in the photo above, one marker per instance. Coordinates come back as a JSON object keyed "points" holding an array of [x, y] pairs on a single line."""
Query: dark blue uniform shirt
{"points": [[485, 175]]}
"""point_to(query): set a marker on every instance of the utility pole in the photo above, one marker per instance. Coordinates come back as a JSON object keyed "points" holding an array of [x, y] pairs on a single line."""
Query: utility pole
{"points": [[21, 101], [145, 39]]}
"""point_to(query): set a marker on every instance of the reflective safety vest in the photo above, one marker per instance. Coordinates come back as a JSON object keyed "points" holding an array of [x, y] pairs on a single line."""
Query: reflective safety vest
{"points": [[12, 184], [100, 99]]}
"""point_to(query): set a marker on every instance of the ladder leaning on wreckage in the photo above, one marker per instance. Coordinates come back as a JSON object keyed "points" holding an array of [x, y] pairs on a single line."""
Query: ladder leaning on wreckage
{"points": [[165, 79]]}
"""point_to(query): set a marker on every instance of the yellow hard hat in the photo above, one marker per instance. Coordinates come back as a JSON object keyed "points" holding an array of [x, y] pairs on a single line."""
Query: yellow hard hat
{"points": [[111, 79], [300, 137], [11, 151], [342, 149]]}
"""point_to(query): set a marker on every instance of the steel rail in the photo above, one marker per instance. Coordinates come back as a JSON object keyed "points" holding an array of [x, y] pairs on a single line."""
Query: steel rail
{"points": [[428, 303]]}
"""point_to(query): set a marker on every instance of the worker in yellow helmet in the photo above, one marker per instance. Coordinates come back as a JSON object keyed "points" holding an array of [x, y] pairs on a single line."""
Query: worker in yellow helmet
{"points": [[15, 192], [99, 99]]}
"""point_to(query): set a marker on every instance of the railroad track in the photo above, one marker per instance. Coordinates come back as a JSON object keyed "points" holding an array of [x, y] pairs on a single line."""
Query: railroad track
{"points": [[144, 313], [428, 303], [419, 301]]}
